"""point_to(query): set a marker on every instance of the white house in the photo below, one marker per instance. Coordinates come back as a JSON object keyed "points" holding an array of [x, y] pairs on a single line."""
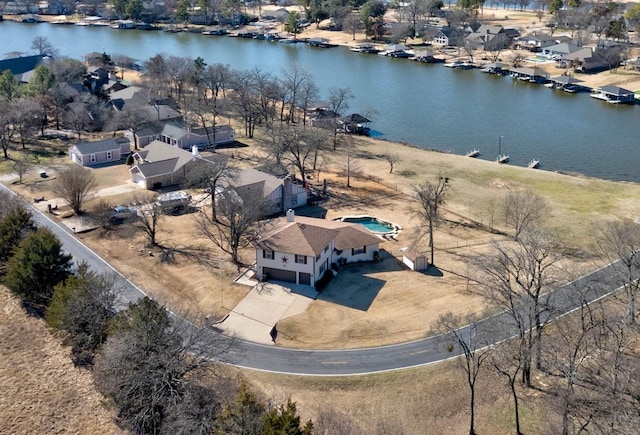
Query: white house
{"points": [[300, 249]]}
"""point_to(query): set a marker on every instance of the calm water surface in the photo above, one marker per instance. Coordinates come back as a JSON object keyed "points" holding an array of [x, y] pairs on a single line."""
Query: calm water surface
{"points": [[426, 105]]}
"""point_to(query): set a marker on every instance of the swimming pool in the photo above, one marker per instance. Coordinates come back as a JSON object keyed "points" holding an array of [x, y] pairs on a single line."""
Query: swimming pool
{"points": [[373, 224]]}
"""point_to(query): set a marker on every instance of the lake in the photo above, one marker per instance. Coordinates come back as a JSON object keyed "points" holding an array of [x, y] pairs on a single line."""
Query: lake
{"points": [[429, 106]]}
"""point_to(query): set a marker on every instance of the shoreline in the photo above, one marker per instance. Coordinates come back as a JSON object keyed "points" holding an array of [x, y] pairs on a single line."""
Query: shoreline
{"points": [[622, 77]]}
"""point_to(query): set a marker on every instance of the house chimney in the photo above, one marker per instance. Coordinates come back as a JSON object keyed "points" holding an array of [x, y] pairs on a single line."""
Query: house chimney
{"points": [[194, 150], [290, 215]]}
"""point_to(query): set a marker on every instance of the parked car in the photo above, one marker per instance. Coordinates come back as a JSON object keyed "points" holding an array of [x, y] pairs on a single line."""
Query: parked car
{"points": [[174, 200], [122, 212]]}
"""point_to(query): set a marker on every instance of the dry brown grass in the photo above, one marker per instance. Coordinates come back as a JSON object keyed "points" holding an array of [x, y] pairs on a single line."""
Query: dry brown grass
{"points": [[426, 400], [40, 389]]}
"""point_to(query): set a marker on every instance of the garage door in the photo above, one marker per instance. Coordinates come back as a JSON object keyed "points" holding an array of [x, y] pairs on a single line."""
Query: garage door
{"points": [[305, 278], [280, 275]]}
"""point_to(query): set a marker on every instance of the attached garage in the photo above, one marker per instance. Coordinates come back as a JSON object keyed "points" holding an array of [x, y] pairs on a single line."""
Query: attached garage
{"points": [[305, 278], [279, 274]]}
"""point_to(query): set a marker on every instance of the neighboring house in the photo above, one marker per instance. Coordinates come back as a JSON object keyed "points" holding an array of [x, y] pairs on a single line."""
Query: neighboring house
{"points": [[185, 137], [274, 169], [22, 68], [104, 151], [537, 41], [161, 165], [588, 61], [279, 194], [280, 15], [300, 249], [448, 36], [131, 97], [487, 33], [562, 50]]}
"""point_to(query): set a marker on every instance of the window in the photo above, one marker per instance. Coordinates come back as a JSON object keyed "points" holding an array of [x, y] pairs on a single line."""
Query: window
{"points": [[93, 158], [109, 155], [322, 267], [326, 248], [357, 251], [301, 259], [267, 253], [318, 257]]}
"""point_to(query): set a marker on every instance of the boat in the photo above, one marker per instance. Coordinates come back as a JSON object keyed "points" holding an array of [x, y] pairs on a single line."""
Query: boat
{"points": [[365, 48], [533, 164], [550, 85], [572, 89], [473, 153], [503, 158], [459, 64]]}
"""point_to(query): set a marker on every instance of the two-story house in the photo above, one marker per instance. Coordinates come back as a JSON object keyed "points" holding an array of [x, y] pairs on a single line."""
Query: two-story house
{"points": [[299, 249]]}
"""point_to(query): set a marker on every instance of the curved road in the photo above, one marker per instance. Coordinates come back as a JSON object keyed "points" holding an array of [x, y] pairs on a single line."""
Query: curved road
{"points": [[346, 362]]}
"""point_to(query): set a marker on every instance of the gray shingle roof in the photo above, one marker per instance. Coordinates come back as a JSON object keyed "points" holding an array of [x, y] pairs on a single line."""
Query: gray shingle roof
{"points": [[100, 146]]}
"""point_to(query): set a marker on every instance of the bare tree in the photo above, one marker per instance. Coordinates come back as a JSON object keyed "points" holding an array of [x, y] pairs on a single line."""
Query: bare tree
{"points": [[351, 165], [391, 159], [75, 185], [507, 360], [237, 214], [352, 24], [292, 82], [7, 126], [150, 212], [146, 363], [516, 277], [430, 197], [208, 176], [339, 99], [620, 244], [43, 46], [575, 343], [21, 166], [522, 210], [474, 352]]}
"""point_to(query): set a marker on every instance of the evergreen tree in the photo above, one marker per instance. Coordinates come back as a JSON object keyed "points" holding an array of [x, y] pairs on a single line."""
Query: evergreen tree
{"points": [[37, 266], [83, 306], [14, 227], [9, 86], [285, 421]]}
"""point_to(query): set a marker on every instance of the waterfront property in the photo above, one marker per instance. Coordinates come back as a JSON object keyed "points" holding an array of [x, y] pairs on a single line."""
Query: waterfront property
{"points": [[301, 249], [614, 95], [277, 194], [161, 165], [95, 153]]}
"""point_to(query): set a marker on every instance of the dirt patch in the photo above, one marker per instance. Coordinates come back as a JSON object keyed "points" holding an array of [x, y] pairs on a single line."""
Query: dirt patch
{"points": [[41, 390]]}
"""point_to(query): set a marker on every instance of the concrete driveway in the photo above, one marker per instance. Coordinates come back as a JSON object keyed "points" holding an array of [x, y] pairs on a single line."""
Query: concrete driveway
{"points": [[265, 305]]}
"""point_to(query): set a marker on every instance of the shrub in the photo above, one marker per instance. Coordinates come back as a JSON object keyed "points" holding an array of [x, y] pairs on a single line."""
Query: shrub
{"points": [[324, 281]]}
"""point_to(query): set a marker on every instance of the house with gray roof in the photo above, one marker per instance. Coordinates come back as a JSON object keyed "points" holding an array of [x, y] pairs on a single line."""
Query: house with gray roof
{"points": [[279, 194], [22, 67], [130, 97], [178, 135], [300, 250], [96, 153], [160, 165]]}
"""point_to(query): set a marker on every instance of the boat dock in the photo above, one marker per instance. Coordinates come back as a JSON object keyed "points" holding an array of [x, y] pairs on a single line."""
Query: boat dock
{"points": [[473, 153], [533, 164], [503, 158]]}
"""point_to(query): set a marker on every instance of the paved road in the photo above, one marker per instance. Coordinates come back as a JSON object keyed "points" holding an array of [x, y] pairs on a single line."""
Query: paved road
{"points": [[348, 362]]}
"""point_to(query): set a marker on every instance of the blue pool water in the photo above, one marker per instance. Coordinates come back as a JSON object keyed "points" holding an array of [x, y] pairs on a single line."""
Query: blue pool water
{"points": [[372, 224]]}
